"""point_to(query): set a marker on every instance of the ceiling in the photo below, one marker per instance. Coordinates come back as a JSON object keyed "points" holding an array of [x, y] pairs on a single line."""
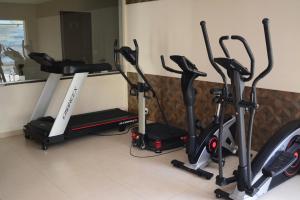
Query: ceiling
{"points": [[24, 1]]}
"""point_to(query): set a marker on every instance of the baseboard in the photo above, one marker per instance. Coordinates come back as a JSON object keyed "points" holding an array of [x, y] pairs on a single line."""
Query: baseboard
{"points": [[10, 134]]}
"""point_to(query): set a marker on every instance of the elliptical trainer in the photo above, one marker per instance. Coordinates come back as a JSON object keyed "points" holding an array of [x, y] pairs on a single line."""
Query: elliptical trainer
{"points": [[279, 159]]}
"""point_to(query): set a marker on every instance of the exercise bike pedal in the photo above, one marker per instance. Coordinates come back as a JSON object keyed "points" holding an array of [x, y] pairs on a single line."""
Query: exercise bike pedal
{"points": [[199, 172], [280, 164], [220, 194]]}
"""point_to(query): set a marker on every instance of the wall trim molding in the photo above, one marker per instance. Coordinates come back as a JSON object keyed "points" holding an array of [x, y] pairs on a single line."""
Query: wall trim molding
{"points": [[137, 1]]}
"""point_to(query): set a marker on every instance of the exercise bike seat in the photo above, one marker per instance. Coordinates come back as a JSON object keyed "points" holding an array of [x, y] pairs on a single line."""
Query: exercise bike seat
{"points": [[186, 65], [232, 65], [67, 67]]}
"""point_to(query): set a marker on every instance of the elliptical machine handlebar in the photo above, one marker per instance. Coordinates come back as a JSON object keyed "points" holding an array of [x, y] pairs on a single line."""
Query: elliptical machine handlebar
{"points": [[226, 52], [248, 49], [224, 48], [269, 53], [210, 54], [250, 54]]}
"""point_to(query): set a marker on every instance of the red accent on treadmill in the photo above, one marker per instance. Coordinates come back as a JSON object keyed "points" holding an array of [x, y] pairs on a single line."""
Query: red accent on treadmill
{"points": [[296, 154], [101, 124]]}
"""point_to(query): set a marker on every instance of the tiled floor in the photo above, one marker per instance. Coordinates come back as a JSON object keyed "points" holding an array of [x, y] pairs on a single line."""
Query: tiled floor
{"points": [[101, 168]]}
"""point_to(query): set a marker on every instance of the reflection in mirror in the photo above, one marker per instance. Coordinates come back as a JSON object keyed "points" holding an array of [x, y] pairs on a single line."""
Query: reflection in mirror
{"points": [[81, 30]]}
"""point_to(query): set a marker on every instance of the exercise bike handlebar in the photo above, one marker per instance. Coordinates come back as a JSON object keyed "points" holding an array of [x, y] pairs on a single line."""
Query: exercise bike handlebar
{"points": [[193, 70], [224, 48], [162, 58], [186, 68], [269, 53], [210, 54], [250, 54]]}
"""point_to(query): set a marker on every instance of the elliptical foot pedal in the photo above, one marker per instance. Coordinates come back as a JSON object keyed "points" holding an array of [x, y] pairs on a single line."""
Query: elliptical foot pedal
{"points": [[220, 194], [280, 164], [221, 181], [216, 160], [199, 172]]}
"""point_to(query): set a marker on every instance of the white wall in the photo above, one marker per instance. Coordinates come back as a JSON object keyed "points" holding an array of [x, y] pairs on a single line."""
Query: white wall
{"points": [[172, 27], [53, 7], [26, 12], [49, 36], [17, 102], [105, 29]]}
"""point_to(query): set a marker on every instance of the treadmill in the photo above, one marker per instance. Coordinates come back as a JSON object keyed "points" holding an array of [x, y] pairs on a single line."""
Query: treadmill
{"points": [[156, 136], [47, 130]]}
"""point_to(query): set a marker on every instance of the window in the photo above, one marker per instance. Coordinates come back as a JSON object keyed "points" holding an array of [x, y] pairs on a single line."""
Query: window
{"points": [[12, 35]]}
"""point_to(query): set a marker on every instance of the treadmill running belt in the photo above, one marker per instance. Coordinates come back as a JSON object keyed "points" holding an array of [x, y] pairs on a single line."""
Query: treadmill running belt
{"points": [[101, 118]]}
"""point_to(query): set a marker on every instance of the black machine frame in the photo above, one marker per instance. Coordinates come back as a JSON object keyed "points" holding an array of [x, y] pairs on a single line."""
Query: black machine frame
{"points": [[279, 159], [202, 144]]}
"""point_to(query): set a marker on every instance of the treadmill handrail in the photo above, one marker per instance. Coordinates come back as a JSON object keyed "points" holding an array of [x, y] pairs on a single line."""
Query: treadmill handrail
{"points": [[67, 67]]}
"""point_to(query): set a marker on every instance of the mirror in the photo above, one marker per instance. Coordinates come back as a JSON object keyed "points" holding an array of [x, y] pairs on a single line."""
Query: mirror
{"points": [[81, 30]]}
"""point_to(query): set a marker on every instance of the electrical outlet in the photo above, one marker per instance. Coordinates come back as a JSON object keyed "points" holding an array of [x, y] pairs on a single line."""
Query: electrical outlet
{"points": [[146, 111]]}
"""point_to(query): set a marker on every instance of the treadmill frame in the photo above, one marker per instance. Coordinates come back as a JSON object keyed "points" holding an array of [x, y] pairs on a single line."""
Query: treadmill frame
{"points": [[67, 106]]}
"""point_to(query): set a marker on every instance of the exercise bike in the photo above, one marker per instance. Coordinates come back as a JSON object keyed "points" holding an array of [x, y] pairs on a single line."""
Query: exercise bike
{"points": [[201, 148], [278, 160]]}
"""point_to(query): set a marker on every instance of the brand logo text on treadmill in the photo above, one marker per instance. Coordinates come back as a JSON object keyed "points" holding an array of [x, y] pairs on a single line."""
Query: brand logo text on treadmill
{"points": [[75, 91], [128, 122]]}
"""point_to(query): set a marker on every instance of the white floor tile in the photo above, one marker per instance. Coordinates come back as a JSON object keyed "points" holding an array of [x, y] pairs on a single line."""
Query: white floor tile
{"points": [[101, 168]]}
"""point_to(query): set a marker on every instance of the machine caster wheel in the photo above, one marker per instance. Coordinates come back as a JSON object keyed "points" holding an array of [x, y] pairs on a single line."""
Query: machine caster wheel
{"points": [[158, 151], [44, 146], [220, 194], [27, 136]]}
